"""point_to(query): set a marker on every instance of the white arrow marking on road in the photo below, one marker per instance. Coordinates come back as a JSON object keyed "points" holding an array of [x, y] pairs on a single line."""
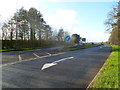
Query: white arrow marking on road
{"points": [[47, 65]]}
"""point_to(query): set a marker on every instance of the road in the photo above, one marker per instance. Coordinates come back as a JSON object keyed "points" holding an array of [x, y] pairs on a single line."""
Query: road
{"points": [[16, 56], [73, 69]]}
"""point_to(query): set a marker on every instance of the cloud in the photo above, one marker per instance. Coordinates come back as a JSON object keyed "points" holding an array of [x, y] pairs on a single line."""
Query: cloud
{"points": [[62, 18], [68, 20], [78, 0], [8, 7], [97, 36]]}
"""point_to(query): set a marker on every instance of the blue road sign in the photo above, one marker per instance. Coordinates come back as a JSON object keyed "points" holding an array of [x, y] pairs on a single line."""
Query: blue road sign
{"points": [[67, 38]]}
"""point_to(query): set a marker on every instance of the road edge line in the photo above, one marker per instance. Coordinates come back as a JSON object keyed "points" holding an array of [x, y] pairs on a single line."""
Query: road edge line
{"points": [[97, 73]]}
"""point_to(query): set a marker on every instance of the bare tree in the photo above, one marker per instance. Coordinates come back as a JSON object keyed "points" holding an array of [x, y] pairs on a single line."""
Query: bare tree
{"points": [[61, 35], [113, 24]]}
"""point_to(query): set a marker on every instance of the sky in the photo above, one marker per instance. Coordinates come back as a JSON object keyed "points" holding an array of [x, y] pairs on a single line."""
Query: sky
{"points": [[84, 17]]}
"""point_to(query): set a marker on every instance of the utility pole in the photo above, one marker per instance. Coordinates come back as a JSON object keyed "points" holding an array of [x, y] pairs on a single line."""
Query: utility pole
{"points": [[16, 25]]}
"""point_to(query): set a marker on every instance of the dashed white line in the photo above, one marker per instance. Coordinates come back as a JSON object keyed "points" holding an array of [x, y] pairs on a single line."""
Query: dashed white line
{"points": [[36, 55]]}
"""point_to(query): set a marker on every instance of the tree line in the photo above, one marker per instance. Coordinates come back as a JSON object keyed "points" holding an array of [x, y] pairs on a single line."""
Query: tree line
{"points": [[27, 28], [113, 25]]}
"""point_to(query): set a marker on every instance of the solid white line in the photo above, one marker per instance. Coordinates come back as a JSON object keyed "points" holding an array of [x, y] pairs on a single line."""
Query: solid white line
{"points": [[36, 55], [9, 64], [63, 59], [58, 54], [44, 56], [17, 62], [20, 58]]}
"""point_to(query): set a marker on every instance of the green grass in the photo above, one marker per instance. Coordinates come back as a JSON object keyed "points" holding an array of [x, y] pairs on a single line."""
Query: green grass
{"points": [[64, 49], [19, 49], [76, 48], [82, 47], [108, 75], [15, 49]]}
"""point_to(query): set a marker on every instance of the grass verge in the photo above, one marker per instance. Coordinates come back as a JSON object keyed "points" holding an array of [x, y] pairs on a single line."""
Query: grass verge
{"points": [[108, 75], [83, 47], [19, 49], [59, 50], [73, 48], [77, 47]]}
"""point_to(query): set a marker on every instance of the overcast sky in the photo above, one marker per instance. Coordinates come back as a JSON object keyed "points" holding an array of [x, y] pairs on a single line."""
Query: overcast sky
{"points": [[75, 16]]}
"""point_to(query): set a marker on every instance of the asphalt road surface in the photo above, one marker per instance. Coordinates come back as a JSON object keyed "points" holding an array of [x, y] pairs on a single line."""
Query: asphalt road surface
{"points": [[17, 56], [73, 69]]}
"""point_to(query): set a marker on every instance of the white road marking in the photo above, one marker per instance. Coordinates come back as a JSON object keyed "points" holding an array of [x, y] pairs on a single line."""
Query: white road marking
{"points": [[63, 59], [48, 53], [36, 55], [47, 65], [20, 58], [57, 54], [29, 59], [17, 62]]}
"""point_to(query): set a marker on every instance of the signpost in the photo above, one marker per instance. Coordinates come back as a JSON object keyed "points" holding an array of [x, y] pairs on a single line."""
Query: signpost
{"points": [[84, 39], [67, 38]]}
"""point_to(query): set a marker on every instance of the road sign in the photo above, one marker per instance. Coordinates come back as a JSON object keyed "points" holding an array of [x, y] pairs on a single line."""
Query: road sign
{"points": [[83, 39], [67, 38]]}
